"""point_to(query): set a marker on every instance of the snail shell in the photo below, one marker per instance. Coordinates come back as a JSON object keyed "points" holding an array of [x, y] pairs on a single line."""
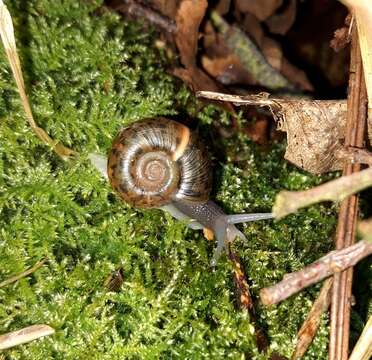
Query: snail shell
{"points": [[155, 162]]}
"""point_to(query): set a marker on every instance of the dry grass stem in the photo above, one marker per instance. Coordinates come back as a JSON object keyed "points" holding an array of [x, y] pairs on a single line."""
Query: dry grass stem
{"points": [[8, 39], [24, 335], [23, 274], [363, 348]]}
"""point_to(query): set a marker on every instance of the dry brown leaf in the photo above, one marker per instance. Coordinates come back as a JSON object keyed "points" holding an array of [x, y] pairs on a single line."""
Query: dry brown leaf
{"points": [[188, 19], [195, 78], [227, 70], [223, 7], [315, 128], [258, 130], [253, 28], [297, 76], [273, 53], [315, 131], [166, 7], [280, 23], [262, 9]]}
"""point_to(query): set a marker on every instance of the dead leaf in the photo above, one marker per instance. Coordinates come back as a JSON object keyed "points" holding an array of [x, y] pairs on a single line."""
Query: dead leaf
{"points": [[315, 131], [258, 130], [262, 9], [272, 52], [250, 56], [297, 76], [188, 19], [227, 70], [280, 23], [195, 78], [315, 128], [166, 7], [253, 28], [223, 7]]}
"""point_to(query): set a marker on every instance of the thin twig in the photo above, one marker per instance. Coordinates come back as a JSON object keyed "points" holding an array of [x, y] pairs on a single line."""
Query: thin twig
{"points": [[334, 262], [310, 326], [23, 274], [342, 282], [261, 99], [24, 335], [288, 202]]}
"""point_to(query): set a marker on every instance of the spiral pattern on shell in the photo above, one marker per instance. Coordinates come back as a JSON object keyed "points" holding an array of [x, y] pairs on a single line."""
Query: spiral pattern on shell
{"points": [[156, 161]]}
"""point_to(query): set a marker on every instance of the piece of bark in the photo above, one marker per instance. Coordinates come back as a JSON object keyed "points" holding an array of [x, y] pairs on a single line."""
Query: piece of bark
{"points": [[24, 335], [362, 11], [310, 326], [334, 262]]}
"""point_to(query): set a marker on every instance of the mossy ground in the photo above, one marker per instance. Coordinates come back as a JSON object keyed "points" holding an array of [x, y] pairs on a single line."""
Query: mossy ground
{"points": [[87, 75]]}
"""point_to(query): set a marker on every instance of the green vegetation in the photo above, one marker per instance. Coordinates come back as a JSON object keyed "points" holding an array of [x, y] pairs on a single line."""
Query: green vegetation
{"points": [[88, 73]]}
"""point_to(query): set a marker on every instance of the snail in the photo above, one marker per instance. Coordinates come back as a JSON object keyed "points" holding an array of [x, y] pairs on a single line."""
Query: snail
{"points": [[160, 163]]}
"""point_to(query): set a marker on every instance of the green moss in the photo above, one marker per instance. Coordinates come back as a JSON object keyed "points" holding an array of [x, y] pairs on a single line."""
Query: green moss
{"points": [[88, 74]]}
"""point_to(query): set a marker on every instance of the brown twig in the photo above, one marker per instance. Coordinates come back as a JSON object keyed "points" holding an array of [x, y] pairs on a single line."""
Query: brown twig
{"points": [[23, 274], [355, 128], [334, 262], [310, 326]]}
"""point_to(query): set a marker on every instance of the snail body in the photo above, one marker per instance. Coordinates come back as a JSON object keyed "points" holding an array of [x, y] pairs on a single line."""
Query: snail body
{"points": [[160, 163]]}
